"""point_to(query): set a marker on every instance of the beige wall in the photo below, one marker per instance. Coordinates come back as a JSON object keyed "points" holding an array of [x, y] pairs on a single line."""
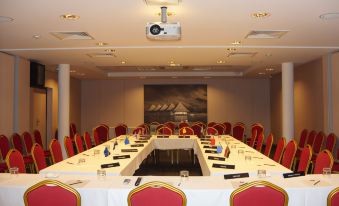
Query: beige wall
{"points": [[116, 101], [24, 95], [335, 93]]}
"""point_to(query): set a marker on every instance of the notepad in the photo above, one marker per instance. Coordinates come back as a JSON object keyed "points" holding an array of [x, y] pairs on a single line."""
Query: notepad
{"points": [[141, 141], [210, 147], [234, 176], [205, 142], [137, 145], [293, 174], [129, 150], [121, 157], [216, 158], [223, 166], [162, 136], [211, 151], [115, 164], [182, 136]]}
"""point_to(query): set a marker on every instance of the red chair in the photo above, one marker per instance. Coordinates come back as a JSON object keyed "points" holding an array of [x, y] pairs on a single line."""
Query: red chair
{"points": [[330, 142], [279, 150], [28, 141], [183, 124], [101, 133], [72, 130], [288, 157], [228, 128], [333, 197], [260, 142], [253, 138], [324, 160], [211, 124], [4, 146], [139, 130], [17, 143], [51, 193], [305, 159], [170, 125], [38, 157], [335, 167], [69, 146], [211, 131], [220, 128], [155, 194], [15, 159], [121, 129], [302, 141], [201, 124], [259, 193], [146, 128], [164, 131], [37, 138], [268, 146], [318, 142], [56, 153], [78, 143], [239, 131], [87, 140], [197, 130], [311, 137], [186, 131]]}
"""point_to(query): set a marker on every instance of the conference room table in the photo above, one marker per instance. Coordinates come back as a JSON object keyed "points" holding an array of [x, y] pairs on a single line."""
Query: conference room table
{"points": [[199, 191], [212, 164]]}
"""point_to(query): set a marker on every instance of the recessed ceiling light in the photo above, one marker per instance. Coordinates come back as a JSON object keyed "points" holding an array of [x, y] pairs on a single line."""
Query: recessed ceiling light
{"points": [[123, 62], [261, 73], [261, 15], [109, 50], [329, 16], [101, 43], [236, 42], [268, 55], [81, 74], [5, 19], [36, 36], [207, 77], [72, 71], [269, 69], [231, 49], [70, 17], [220, 62]]}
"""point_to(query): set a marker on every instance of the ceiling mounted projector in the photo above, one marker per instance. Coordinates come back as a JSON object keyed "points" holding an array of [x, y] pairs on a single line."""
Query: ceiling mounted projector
{"points": [[163, 30]]}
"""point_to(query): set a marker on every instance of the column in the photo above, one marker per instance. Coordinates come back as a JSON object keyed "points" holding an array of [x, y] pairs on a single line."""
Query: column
{"points": [[16, 95], [63, 104], [288, 100]]}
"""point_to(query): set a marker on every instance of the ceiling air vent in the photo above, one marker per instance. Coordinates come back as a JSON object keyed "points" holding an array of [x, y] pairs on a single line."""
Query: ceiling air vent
{"points": [[266, 34], [101, 55], [242, 54], [72, 35]]}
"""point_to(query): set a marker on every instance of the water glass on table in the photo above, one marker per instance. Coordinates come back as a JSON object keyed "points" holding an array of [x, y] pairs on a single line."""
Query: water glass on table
{"points": [[101, 174], [14, 171], [326, 171]]}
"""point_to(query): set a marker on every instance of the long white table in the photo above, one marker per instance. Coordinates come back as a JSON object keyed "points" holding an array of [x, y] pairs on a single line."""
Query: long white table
{"points": [[200, 191], [129, 166]]}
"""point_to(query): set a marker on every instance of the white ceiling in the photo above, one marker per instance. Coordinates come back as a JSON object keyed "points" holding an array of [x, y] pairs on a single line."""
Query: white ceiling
{"points": [[208, 29]]}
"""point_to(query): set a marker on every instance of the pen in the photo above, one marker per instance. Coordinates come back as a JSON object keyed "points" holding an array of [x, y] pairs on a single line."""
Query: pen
{"points": [[316, 182]]}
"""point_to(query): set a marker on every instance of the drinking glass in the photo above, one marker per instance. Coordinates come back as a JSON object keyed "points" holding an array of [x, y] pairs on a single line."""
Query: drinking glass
{"points": [[101, 174], [248, 159], [240, 152], [184, 174], [96, 152], [14, 171], [326, 171], [81, 161]]}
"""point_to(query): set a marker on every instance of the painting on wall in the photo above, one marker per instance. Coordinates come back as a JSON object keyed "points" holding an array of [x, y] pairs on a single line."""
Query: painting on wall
{"points": [[176, 103]]}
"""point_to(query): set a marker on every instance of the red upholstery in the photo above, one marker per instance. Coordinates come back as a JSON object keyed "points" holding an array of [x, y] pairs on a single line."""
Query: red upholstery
{"points": [[238, 131], [4, 145], [78, 143], [324, 159], [279, 150], [228, 128], [259, 193], [256, 130], [186, 131], [305, 158], [318, 142], [17, 143], [289, 154], [211, 124], [170, 125], [201, 124], [333, 197], [72, 130], [139, 130], [268, 146], [220, 128], [260, 141], [330, 142], [56, 152], [101, 133], [183, 124], [38, 157], [311, 137], [146, 128], [211, 131], [28, 140], [197, 130], [164, 130], [156, 194], [96, 137], [51, 193], [37, 138], [121, 129], [302, 139], [14, 159], [69, 146], [87, 139], [253, 138]]}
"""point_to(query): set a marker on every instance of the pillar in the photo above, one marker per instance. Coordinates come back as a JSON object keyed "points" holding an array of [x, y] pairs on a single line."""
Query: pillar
{"points": [[288, 100]]}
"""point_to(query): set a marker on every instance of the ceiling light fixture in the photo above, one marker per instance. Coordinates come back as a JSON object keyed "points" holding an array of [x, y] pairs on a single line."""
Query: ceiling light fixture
{"points": [[169, 13], [269, 69], [109, 50], [261, 73], [220, 62], [236, 43], [123, 62], [101, 43], [268, 55], [261, 15], [329, 16], [70, 17], [231, 49], [5, 19], [36, 36]]}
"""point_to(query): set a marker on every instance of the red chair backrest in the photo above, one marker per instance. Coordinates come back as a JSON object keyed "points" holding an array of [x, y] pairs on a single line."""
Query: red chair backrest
{"points": [[330, 142], [146, 128], [156, 194], [268, 147], [17, 143], [333, 197], [78, 143], [257, 127], [164, 130], [260, 142], [186, 131], [211, 131], [72, 130], [254, 136], [279, 150], [51, 193], [211, 124], [170, 125], [88, 141], [28, 140], [38, 157], [259, 193], [14, 159], [183, 124], [310, 138], [220, 128], [228, 127], [102, 133], [4, 146], [238, 132], [197, 130], [303, 137], [139, 130], [305, 159], [324, 160], [121, 129], [56, 152], [69, 146], [288, 157], [318, 142], [96, 137], [37, 137]]}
